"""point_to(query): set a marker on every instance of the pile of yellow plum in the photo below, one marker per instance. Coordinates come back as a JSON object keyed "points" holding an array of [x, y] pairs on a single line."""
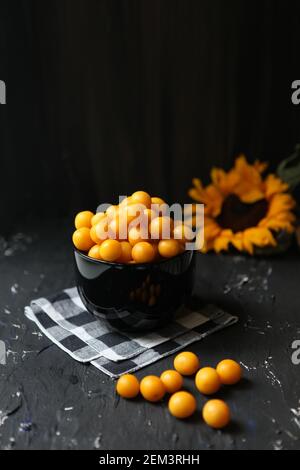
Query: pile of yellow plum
{"points": [[114, 236], [182, 404]]}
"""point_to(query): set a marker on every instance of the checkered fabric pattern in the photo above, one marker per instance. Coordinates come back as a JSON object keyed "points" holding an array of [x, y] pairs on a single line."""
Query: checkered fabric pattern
{"points": [[65, 321]]}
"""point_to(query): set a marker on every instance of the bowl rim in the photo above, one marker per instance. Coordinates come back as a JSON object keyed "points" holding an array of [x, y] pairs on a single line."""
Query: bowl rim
{"points": [[127, 265]]}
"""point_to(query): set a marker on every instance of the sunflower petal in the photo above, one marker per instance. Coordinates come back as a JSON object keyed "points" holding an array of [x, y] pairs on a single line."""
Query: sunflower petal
{"points": [[249, 188], [196, 195], [225, 182], [251, 195], [211, 231], [237, 241], [248, 245], [214, 200], [274, 185], [227, 233], [277, 225], [197, 183], [210, 196], [259, 236], [286, 216], [280, 203], [208, 245], [260, 166], [217, 176], [221, 244]]}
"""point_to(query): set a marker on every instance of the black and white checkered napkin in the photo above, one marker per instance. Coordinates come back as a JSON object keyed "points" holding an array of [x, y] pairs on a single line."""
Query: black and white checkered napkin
{"points": [[65, 321]]}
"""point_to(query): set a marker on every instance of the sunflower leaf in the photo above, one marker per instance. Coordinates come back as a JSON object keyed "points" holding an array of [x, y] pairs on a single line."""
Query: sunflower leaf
{"points": [[289, 169]]}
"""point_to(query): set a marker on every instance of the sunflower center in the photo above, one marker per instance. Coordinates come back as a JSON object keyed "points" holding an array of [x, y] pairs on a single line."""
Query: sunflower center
{"points": [[238, 216]]}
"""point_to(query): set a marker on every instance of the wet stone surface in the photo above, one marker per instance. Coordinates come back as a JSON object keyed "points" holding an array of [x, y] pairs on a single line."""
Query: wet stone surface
{"points": [[49, 401]]}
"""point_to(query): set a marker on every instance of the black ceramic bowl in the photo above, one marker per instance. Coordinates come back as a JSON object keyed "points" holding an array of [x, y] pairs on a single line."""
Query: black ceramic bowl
{"points": [[134, 297]]}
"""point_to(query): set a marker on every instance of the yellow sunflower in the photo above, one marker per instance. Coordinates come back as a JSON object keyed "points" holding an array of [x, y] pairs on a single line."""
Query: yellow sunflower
{"points": [[244, 210]]}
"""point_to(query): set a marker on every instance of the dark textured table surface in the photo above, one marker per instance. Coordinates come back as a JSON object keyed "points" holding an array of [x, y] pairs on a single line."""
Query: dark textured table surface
{"points": [[49, 401]]}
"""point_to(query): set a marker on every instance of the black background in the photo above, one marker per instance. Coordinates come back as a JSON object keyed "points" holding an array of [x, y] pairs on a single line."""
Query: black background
{"points": [[105, 97], [108, 96]]}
